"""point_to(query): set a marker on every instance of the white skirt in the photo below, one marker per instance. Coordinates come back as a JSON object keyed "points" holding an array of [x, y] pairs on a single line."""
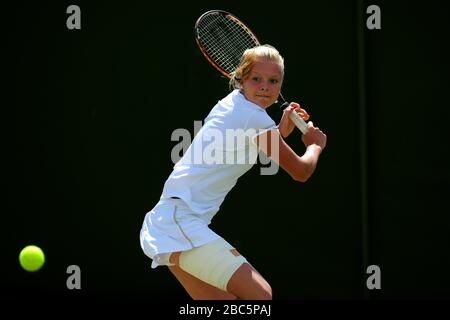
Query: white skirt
{"points": [[171, 226]]}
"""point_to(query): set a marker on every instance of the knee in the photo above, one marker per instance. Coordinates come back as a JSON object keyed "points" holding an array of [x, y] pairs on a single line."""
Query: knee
{"points": [[265, 293], [269, 293], [247, 284]]}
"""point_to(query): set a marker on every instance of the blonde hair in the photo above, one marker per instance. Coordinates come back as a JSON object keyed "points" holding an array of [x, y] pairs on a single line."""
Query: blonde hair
{"points": [[264, 52]]}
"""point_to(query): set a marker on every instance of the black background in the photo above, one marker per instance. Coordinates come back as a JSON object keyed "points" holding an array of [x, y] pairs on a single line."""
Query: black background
{"points": [[88, 141]]}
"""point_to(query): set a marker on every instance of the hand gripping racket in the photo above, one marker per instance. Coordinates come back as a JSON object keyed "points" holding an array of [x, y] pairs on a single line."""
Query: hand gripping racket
{"points": [[223, 38]]}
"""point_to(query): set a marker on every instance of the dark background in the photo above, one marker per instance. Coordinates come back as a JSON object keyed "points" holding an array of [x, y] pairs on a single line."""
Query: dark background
{"points": [[87, 146]]}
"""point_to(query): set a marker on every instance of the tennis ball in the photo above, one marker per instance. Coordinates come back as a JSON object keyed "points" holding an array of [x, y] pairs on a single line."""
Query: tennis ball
{"points": [[31, 258]]}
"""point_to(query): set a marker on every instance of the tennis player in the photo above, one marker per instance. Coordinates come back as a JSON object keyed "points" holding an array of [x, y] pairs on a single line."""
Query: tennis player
{"points": [[176, 233]]}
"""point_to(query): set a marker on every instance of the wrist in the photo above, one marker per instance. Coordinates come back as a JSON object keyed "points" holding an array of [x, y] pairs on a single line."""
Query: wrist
{"points": [[315, 147]]}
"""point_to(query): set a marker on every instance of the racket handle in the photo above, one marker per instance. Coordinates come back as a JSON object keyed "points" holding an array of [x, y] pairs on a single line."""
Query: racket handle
{"points": [[299, 122]]}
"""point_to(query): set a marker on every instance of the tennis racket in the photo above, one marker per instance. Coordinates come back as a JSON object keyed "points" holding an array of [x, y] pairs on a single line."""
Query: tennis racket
{"points": [[223, 38]]}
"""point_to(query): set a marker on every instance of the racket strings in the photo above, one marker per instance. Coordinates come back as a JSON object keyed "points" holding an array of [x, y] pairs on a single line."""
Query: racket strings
{"points": [[224, 40], [219, 39], [232, 42]]}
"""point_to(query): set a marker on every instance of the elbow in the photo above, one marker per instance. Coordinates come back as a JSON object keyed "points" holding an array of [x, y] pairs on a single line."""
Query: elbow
{"points": [[301, 177]]}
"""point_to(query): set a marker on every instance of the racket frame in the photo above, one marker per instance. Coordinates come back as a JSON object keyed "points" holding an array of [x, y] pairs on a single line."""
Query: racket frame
{"points": [[295, 117]]}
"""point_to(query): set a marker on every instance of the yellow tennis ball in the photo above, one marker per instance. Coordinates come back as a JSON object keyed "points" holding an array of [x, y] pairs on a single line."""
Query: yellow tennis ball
{"points": [[31, 258]]}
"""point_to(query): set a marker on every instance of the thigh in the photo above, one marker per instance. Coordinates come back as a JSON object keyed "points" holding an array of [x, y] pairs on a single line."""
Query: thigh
{"points": [[246, 283], [196, 288]]}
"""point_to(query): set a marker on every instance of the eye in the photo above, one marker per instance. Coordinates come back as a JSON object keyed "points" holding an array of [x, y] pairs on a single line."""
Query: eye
{"points": [[274, 81], [256, 79]]}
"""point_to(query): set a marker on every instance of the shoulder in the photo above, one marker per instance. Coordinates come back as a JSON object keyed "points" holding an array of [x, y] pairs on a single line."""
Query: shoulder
{"points": [[235, 111], [256, 116]]}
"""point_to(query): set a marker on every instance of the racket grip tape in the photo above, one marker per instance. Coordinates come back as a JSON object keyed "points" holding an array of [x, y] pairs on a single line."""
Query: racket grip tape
{"points": [[299, 122]]}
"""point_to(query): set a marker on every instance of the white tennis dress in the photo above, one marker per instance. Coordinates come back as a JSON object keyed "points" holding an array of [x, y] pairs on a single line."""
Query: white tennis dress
{"points": [[222, 151]]}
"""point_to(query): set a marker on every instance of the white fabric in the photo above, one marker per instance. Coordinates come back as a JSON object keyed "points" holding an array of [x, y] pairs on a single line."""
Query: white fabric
{"points": [[170, 227], [180, 225], [212, 263], [203, 185]]}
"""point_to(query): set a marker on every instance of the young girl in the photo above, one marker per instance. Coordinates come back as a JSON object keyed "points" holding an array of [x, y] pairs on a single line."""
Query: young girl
{"points": [[175, 232]]}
